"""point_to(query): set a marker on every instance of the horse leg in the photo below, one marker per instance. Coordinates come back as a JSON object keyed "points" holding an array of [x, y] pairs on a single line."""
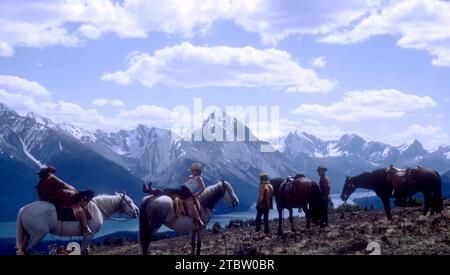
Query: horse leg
{"points": [[427, 201], [280, 222], [35, 238], [193, 241], [291, 220], [307, 216], [387, 207], [85, 244], [199, 242]]}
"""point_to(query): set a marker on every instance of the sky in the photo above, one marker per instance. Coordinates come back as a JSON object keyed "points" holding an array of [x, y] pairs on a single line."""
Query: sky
{"points": [[377, 68]]}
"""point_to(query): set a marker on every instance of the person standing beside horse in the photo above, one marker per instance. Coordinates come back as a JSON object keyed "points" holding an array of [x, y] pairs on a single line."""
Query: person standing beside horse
{"points": [[264, 203], [52, 189], [324, 195], [187, 191]]}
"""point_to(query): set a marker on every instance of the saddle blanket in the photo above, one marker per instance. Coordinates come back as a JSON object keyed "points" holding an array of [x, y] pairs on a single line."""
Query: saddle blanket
{"points": [[65, 214]]}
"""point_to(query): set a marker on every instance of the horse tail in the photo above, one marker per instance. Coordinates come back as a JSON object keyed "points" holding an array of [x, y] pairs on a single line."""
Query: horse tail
{"points": [[315, 202], [437, 195], [20, 234], [144, 228]]}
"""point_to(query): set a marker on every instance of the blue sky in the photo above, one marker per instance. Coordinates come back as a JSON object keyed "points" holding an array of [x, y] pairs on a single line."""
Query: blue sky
{"points": [[382, 68]]}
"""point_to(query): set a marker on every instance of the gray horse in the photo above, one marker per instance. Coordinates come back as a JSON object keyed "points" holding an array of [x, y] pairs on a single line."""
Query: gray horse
{"points": [[37, 219], [158, 210]]}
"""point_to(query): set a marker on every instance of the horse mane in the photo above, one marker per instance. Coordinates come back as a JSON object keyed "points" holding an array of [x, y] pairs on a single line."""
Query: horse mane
{"points": [[212, 194], [371, 178], [106, 201], [276, 182]]}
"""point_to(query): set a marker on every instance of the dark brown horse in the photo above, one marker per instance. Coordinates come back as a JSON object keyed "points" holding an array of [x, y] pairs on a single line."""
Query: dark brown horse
{"points": [[304, 193], [421, 179]]}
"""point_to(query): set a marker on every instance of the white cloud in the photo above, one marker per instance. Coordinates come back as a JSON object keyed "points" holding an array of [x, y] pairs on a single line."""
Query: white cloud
{"points": [[189, 66], [88, 118], [22, 85], [431, 136], [319, 62], [110, 102], [42, 23], [275, 20], [419, 24], [357, 105]]}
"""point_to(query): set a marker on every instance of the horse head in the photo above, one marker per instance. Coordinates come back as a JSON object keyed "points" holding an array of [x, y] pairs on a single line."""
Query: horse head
{"points": [[127, 205], [348, 189], [229, 195]]}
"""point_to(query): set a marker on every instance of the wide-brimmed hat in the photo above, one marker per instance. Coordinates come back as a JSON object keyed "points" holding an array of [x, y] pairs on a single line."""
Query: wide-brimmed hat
{"points": [[195, 166], [322, 168], [46, 170], [263, 176]]}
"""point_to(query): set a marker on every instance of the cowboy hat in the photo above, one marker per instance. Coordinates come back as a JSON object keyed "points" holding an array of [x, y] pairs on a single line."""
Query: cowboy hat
{"points": [[195, 166], [46, 170], [322, 168], [263, 176]]}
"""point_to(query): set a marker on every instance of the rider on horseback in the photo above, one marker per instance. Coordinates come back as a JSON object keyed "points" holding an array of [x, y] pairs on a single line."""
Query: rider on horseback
{"points": [[53, 190], [187, 191]]}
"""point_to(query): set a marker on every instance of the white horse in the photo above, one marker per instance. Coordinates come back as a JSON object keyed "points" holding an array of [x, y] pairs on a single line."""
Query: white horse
{"points": [[37, 219], [158, 210]]}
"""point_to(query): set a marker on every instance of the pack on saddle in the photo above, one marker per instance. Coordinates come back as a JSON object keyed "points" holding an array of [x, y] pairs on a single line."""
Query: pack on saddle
{"points": [[401, 181], [70, 204], [287, 189]]}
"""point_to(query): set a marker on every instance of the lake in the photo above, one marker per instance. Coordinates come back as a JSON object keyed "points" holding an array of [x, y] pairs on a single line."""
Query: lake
{"points": [[8, 229]]}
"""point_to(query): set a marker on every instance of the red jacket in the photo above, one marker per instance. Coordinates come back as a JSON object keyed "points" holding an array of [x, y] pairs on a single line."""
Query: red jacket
{"points": [[324, 186], [55, 191]]}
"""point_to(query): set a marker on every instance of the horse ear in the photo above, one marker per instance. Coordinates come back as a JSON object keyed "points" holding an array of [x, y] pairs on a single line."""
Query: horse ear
{"points": [[124, 193]]}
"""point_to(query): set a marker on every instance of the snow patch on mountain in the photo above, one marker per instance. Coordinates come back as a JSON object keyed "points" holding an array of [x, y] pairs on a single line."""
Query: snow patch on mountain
{"points": [[29, 155], [77, 133], [402, 148]]}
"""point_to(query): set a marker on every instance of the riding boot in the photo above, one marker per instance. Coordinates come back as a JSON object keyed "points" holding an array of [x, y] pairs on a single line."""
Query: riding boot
{"points": [[196, 215], [81, 217], [148, 189]]}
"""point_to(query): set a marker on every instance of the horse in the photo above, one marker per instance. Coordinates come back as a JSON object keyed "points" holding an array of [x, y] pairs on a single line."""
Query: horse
{"points": [[156, 210], [37, 219], [421, 179], [305, 195]]}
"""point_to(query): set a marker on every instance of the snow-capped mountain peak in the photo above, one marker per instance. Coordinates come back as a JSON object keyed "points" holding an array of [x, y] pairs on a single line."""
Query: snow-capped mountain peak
{"points": [[77, 133], [412, 149], [41, 119]]}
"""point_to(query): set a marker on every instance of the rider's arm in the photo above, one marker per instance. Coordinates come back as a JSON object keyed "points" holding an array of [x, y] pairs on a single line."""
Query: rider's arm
{"points": [[201, 184]]}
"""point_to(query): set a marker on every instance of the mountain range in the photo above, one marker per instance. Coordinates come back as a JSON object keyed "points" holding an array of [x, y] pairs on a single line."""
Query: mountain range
{"points": [[108, 162]]}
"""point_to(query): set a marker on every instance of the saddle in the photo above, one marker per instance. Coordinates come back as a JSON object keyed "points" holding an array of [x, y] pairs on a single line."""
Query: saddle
{"points": [[181, 206], [401, 180], [66, 214], [287, 189]]}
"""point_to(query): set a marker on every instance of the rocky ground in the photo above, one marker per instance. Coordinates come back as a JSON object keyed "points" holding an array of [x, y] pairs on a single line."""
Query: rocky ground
{"points": [[351, 231]]}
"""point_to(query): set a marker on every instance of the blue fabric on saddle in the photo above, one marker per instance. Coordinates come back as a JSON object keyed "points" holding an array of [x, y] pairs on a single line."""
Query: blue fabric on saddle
{"points": [[66, 214]]}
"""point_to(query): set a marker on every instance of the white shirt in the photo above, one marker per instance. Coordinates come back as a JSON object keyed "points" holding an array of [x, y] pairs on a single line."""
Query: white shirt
{"points": [[191, 183]]}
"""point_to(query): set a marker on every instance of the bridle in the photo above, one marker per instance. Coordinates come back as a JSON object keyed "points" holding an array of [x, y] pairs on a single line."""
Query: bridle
{"points": [[225, 188], [349, 186], [121, 210]]}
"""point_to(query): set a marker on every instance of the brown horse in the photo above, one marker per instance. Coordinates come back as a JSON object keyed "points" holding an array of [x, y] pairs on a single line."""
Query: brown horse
{"points": [[420, 179], [302, 193]]}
